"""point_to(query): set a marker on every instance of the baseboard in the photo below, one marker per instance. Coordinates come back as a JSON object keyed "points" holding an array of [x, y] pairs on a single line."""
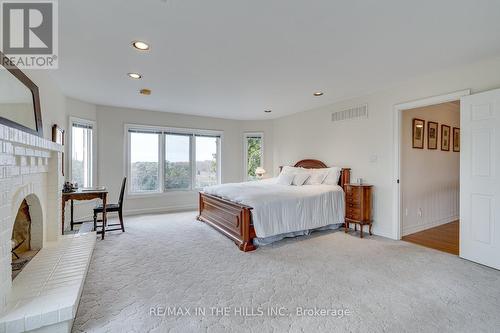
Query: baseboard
{"points": [[416, 228], [131, 212], [158, 210]]}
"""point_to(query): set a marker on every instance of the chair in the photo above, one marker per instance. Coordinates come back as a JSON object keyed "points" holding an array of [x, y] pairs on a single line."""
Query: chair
{"points": [[112, 208]]}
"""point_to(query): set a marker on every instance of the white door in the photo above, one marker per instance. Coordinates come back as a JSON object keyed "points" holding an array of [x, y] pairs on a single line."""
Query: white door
{"points": [[480, 178]]}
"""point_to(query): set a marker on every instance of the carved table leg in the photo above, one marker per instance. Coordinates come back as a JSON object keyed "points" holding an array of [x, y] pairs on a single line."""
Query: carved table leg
{"points": [[361, 230], [63, 204], [104, 197], [370, 229], [72, 222]]}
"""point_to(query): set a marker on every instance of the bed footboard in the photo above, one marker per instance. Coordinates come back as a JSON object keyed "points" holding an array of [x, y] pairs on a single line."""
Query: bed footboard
{"points": [[229, 218]]}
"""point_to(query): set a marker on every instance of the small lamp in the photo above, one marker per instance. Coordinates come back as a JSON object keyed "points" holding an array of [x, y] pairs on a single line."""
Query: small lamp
{"points": [[260, 172]]}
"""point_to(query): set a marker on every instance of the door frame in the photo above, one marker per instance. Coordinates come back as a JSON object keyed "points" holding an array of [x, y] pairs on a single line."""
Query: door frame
{"points": [[398, 110]]}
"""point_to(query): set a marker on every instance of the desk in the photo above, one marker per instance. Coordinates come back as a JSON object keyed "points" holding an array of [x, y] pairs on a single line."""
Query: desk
{"points": [[84, 195]]}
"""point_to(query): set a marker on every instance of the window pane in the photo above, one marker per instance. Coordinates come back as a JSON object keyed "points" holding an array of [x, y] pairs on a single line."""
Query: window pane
{"points": [[144, 161], [81, 156], [254, 156], [177, 161], [206, 161]]}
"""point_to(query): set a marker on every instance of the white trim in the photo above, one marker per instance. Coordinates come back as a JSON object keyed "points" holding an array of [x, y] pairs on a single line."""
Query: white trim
{"points": [[432, 224], [398, 109], [246, 135], [192, 142], [158, 210], [72, 120]]}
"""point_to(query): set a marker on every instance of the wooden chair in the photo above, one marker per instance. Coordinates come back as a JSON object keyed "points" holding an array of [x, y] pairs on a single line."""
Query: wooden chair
{"points": [[112, 208]]}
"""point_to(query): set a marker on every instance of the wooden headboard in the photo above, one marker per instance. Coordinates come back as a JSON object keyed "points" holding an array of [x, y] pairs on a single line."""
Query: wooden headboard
{"points": [[345, 174]]}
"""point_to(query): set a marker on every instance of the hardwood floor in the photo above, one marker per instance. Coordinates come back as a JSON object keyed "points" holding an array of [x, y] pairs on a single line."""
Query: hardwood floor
{"points": [[444, 237]]}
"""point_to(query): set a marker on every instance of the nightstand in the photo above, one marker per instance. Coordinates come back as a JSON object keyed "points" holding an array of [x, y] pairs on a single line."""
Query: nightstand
{"points": [[358, 204]]}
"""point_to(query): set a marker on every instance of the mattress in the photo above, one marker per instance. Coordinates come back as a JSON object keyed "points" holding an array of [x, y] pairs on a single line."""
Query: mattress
{"points": [[281, 209]]}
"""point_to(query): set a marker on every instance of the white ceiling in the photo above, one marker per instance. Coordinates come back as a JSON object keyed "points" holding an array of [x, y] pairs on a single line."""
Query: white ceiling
{"points": [[235, 58]]}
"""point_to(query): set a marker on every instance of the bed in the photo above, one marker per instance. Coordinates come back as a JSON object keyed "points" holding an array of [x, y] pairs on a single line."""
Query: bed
{"points": [[223, 208]]}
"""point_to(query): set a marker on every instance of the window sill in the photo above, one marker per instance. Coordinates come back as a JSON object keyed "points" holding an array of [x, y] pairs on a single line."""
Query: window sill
{"points": [[159, 194]]}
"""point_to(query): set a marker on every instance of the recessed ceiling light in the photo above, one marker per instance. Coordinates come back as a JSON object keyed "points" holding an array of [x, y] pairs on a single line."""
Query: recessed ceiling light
{"points": [[146, 92], [268, 111], [318, 93], [134, 75], [143, 46]]}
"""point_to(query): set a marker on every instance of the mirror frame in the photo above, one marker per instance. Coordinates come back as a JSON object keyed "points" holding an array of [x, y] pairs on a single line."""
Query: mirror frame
{"points": [[18, 74]]}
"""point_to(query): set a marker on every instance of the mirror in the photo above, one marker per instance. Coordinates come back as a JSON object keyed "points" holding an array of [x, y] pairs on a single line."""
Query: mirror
{"points": [[16, 101], [19, 99]]}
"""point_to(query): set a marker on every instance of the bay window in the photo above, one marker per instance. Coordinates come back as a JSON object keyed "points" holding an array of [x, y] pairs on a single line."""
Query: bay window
{"points": [[168, 159]]}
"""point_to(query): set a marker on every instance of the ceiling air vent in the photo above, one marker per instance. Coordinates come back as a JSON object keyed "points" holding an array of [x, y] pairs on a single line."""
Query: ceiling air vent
{"points": [[357, 112]]}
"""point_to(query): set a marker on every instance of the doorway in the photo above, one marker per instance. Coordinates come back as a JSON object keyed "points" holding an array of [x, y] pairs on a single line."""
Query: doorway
{"points": [[430, 175], [427, 171]]}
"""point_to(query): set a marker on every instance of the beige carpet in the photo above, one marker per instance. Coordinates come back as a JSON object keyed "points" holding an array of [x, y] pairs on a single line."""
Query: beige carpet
{"points": [[171, 260]]}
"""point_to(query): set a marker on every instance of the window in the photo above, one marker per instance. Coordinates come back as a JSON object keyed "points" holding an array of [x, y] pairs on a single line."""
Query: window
{"points": [[82, 152], [254, 153], [207, 152], [190, 159], [178, 174], [144, 161]]}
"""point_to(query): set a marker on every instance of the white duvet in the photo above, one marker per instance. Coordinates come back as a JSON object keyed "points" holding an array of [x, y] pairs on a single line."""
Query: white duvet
{"points": [[279, 209]]}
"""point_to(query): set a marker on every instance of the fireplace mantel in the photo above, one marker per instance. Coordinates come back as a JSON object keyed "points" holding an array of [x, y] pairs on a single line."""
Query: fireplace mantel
{"points": [[32, 166]]}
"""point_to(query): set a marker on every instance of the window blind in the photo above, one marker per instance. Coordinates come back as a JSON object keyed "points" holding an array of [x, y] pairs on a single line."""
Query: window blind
{"points": [[144, 131], [177, 133], [80, 125], [208, 135], [154, 131]]}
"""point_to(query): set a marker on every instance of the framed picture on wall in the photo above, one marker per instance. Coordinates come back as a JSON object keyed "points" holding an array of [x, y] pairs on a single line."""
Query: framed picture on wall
{"points": [[58, 137], [456, 139], [445, 137], [432, 135], [418, 131]]}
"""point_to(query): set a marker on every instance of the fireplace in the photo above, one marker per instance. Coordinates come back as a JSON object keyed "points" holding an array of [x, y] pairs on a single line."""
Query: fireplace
{"points": [[40, 290], [27, 233]]}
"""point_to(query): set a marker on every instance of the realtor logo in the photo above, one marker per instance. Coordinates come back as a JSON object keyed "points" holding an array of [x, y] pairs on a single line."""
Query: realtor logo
{"points": [[29, 33]]}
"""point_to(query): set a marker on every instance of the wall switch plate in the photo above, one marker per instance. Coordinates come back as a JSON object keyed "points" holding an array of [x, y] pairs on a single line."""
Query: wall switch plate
{"points": [[373, 158]]}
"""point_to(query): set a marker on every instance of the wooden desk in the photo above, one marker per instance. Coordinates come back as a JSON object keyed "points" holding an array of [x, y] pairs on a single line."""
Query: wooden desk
{"points": [[84, 195]]}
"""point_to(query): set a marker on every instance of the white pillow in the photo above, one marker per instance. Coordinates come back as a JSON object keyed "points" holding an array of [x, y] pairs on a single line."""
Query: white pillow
{"points": [[285, 179], [333, 176], [292, 170], [300, 179], [317, 176]]}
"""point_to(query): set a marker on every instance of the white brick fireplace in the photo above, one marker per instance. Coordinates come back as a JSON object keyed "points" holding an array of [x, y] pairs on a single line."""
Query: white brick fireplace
{"points": [[45, 295]]}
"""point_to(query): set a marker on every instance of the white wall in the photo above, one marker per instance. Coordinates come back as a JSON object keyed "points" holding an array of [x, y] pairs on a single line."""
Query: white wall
{"points": [[111, 152], [430, 186], [80, 109], [367, 146]]}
